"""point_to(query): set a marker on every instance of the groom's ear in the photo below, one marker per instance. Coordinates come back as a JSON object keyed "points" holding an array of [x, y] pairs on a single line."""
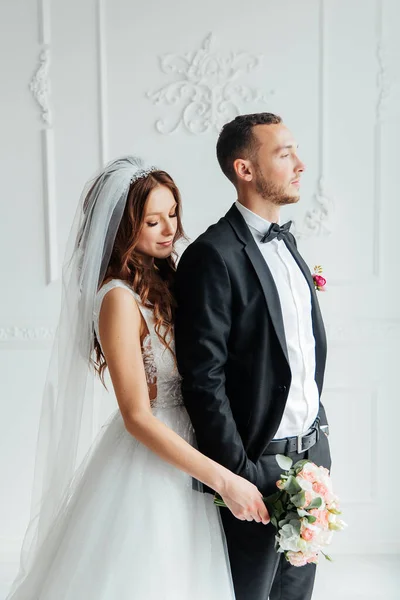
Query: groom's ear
{"points": [[243, 169]]}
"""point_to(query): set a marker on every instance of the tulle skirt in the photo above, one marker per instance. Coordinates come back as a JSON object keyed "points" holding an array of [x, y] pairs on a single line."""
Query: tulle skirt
{"points": [[133, 528]]}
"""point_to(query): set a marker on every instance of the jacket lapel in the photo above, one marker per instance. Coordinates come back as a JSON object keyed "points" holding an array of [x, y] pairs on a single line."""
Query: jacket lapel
{"points": [[263, 273]]}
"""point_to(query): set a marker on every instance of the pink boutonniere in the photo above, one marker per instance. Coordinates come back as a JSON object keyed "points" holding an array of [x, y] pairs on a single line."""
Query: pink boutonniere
{"points": [[319, 281]]}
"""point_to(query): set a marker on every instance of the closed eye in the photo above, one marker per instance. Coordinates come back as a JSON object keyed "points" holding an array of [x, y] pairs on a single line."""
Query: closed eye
{"points": [[154, 223]]}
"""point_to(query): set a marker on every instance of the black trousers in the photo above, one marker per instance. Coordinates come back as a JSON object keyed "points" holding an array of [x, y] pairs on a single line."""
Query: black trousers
{"points": [[258, 571]]}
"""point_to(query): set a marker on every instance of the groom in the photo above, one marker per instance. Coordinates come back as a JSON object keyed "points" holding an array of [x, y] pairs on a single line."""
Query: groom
{"points": [[251, 344]]}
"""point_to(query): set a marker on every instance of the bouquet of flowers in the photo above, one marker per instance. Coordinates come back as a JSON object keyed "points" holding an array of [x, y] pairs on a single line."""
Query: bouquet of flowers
{"points": [[304, 511]]}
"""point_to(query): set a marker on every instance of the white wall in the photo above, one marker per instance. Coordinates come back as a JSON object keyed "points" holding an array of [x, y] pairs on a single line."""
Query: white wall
{"points": [[78, 84]]}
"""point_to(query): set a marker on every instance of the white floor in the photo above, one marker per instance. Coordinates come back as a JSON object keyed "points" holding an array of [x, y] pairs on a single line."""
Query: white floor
{"points": [[348, 578]]}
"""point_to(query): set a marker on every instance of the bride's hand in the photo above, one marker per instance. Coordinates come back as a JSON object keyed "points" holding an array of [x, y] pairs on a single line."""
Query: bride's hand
{"points": [[244, 500]]}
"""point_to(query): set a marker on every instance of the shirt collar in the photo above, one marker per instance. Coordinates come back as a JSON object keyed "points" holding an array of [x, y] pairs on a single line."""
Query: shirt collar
{"points": [[254, 221]]}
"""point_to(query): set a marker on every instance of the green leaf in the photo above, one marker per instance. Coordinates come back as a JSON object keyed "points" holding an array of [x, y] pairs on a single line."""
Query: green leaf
{"points": [[290, 516], [285, 498], [299, 499], [282, 523], [316, 503], [334, 511], [311, 518], [334, 527], [274, 522], [270, 502], [292, 486], [218, 501], [295, 523], [327, 556], [278, 510], [272, 498], [299, 465], [284, 462], [285, 520]]}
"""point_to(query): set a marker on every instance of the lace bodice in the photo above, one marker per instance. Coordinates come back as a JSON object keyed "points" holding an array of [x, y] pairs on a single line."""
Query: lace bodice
{"points": [[159, 364]]}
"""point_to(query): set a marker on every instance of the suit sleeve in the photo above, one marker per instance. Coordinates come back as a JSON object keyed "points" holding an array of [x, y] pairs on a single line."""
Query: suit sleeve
{"points": [[202, 327]]}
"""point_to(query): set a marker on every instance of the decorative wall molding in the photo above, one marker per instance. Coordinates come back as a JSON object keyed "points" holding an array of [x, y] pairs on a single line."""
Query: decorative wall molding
{"points": [[383, 89], [40, 85], [50, 206], [383, 82], [206, 91], [318, 221], [357, 331], [382, 78], [102, 83], [26, 334], [370, 395]]}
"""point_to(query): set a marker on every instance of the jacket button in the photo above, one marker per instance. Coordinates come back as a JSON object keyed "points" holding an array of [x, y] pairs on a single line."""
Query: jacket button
{"points": [[282, 388]]}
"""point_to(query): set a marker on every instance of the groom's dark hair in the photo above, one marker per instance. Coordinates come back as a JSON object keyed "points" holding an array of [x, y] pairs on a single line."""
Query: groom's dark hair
{"points": [[236, 140]]}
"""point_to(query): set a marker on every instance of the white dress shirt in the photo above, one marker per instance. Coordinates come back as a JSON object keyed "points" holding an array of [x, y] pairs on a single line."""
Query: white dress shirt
{"points": [[295, 298]]}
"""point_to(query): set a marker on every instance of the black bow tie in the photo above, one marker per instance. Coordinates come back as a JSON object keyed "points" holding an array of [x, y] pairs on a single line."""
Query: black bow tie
{"points": [[276, 231]]}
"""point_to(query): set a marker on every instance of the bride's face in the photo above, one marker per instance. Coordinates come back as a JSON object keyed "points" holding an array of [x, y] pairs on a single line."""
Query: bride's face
{"points": [[159, 225]]}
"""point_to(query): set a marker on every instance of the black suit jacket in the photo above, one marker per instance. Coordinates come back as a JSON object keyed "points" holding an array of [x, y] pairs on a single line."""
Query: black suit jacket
{"points": [[231, 347]]}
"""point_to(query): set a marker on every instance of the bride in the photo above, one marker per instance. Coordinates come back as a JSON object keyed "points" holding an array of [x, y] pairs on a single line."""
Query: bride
{"points": [[126, 522]]}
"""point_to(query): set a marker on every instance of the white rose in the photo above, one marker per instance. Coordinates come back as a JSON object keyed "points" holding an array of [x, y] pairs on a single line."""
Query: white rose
{"points": [[289, 539]]}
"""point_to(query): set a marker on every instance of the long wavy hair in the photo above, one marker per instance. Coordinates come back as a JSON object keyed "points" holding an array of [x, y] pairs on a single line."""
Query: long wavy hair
{"points": [[152, 283]]}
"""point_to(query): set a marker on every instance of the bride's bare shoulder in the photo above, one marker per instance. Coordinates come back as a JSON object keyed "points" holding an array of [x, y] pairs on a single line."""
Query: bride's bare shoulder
{"points": [[119, 311]]}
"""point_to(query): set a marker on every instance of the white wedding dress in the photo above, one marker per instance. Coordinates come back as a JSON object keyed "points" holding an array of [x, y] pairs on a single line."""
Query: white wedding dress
{"points": [[133, 527]]}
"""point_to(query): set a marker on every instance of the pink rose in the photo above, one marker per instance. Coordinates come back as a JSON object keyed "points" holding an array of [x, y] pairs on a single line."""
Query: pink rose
{"points": [[280, 484], [297, 559], [309, 498], [308, 535], [307, 475], [319, 280], [321, 490], [313, 558], [321, 516]]}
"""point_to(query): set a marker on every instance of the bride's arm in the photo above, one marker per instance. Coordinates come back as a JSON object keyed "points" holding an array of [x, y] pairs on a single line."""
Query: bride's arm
{"points": [[120, 326]]}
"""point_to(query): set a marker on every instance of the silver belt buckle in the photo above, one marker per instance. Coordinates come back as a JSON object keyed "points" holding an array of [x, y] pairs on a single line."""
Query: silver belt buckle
{"points": [[300, 448]]}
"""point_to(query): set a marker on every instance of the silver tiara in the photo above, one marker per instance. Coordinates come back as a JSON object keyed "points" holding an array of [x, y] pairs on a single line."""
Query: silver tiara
{"points": [[140, 173]]}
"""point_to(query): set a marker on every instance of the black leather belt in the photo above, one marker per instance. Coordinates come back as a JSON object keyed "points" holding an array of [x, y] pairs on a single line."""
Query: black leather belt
{"points": [[297, 443]]}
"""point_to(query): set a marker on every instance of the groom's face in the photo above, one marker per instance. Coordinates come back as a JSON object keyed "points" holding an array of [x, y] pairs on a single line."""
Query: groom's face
{"points": [[277, 167]]}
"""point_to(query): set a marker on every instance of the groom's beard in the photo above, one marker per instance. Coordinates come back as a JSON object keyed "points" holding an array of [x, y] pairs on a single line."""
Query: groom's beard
{"points": [[275, 194]]}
